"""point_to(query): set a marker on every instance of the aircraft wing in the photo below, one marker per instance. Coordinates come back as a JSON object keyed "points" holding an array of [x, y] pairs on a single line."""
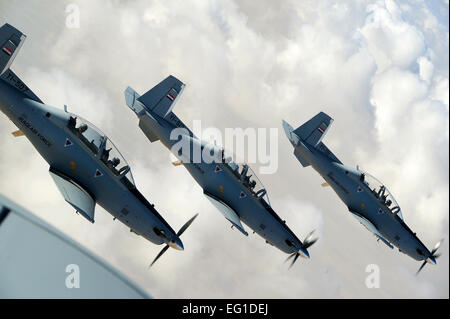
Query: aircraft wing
{"points": [[75, 195], [58, 262], [227, 212], [371, 227]]}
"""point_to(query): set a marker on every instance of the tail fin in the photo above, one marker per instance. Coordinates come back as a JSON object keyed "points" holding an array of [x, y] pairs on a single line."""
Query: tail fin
{"points": [[310, 133], [11, 40], [161, 98], [315, 129]]}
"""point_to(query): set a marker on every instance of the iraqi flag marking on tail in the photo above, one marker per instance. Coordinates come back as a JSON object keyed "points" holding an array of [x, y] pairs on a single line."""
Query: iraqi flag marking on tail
{"points": [[170, 96], [7, 50], [321, 130]]}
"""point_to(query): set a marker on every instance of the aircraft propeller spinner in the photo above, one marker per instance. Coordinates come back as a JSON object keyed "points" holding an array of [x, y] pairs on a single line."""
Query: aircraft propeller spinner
{"points": [[303, 251], [432, 258], [177, 246]]}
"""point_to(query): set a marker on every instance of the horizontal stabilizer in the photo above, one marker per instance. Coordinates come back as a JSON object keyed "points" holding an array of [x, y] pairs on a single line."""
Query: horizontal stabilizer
{"points": [[147, 124], [227, 212], [315, 129], [11, 40], [161, 98], [298, 154], [131, 97], [75, 195]]}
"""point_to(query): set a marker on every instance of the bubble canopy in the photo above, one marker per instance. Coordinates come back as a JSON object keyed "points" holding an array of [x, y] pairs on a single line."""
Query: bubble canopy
{"points": [[101, 146], [382, 193]]}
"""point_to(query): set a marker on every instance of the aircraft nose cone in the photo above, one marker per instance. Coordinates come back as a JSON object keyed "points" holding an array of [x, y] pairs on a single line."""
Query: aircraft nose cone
{"points": [[176, 244], [304, 253], [431, 260]]}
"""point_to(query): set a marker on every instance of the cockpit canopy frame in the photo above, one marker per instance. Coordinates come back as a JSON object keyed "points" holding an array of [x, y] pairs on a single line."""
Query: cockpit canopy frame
{"points": [[382, 193], [101, 146]]}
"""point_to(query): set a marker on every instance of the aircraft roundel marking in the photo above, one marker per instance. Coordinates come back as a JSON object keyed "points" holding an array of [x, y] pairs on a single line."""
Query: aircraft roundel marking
{"points": [[98, 173], [359, 190], [68, 143], [380, 211], [242, 195], [218, 169]]}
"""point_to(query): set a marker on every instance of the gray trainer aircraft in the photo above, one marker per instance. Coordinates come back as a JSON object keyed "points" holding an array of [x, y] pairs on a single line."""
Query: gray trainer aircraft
{"points": [[84, 163], [237, 194], [366, 198]]}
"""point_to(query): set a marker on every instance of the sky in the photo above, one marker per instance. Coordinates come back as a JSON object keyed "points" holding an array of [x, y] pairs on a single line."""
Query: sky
{"points": [[378, 68]]}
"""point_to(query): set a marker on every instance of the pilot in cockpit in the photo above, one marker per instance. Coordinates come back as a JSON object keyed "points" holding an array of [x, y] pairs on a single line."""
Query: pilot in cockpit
{"points": [[115, 161], [244, 171], [72, 122], [112, 164], [381, 194], [105, 155], [82, 128]]}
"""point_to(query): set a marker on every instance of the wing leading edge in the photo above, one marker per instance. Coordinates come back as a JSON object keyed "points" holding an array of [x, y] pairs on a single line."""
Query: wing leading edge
{"points": [[227, 212]]}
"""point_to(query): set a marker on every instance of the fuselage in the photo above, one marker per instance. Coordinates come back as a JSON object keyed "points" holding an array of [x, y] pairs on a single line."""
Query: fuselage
{"points": [[49, 131], [224, 183], [351, 187]]}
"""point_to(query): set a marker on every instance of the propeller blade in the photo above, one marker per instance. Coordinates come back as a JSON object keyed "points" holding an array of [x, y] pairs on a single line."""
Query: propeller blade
{"points": [[181, 231], [436, 247], [290, 256], [185, 226], [159, 255], [432, 255], [295, 259], [308, 237], [308, 244], [308, 241], [423, 265]]}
